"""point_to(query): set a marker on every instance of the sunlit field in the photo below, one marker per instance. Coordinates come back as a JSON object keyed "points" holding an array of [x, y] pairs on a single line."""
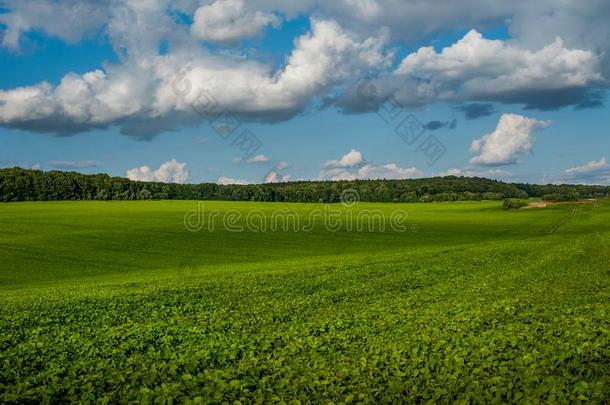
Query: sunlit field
{"points": [[165, 301]]}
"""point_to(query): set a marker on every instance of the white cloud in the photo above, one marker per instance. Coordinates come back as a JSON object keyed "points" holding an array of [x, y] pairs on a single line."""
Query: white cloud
{"points": [[351, 159], [580, 24], [145, 94], [223, 180], [387, 171], [532, 24], [591, 167], [142, 173], [253, 160], [69, 20], [593, 172], [230, 21], [409, 20], [497, 62], [169, 172], [558, 55], [475, 68], [353, 166], [275, 177], [511, 138], [452, 172]]}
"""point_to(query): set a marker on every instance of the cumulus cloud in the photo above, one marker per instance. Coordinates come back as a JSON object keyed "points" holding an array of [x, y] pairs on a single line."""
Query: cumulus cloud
{"points": [[595, 171], [223, 180], [274, 176], [452, 172], [408, 20], [142, 173], [387, 171], [532, 25], [69, 20], [580, 24], [476, 72], [228, 21], [351, 159], [558, 55], [591, 167], [169, 172], [475, 68], [153, 93], [371, 171], [353, 166], [511, 138]]}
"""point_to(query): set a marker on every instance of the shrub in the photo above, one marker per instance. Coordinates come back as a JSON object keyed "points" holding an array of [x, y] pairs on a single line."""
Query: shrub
{"points": [[514, 203], [561, 197]]}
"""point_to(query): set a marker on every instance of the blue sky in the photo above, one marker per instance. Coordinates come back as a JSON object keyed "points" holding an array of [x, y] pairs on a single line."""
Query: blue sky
{"points": [[315, 134]]}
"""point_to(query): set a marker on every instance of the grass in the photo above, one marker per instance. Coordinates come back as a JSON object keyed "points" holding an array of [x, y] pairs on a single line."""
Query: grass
{"points": [[118, 302]]}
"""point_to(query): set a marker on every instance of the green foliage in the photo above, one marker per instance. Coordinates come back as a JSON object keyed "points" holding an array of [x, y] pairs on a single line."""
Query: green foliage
{"points": [[565, 192], [31, 185], [144, 195], [568, 196], [117, 302], [513, 203]]}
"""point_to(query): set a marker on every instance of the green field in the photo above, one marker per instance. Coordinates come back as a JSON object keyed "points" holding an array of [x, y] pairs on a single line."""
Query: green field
{"points": [[119, 302]]}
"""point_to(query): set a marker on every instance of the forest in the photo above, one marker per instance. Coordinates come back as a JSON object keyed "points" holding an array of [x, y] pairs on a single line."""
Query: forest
{"points": [[17, 184]]}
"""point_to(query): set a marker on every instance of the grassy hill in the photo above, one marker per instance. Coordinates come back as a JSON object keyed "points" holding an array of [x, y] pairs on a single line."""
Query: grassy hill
{"points": [[120, 301]]}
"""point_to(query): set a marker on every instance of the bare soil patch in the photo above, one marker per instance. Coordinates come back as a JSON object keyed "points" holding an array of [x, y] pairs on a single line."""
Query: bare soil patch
{"points": [[536, 204]]}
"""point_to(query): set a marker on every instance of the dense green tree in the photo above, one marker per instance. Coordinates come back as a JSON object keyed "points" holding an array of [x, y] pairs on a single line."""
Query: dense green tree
{"points": [[18, 184]]}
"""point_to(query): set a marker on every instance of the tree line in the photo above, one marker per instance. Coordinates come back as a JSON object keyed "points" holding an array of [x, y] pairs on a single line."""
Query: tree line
{"points": [[17, 184]]}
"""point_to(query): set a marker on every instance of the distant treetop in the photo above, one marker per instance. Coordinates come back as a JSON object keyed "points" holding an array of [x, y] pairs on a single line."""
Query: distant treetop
{"points": [[17, 184]]}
